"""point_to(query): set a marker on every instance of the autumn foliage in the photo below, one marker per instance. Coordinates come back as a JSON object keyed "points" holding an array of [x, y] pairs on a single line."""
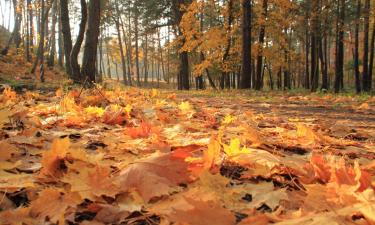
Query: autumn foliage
{"points": [[148, 157]]}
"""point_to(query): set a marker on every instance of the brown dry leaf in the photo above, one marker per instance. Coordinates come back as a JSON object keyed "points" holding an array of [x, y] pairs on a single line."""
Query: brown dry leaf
{"points": [[13, 182], [211, 157], [143, 131], [307, 134], [92, 183], [189, 210], [364, 106], [7, 151], [52, 204], [53, 159], [19, 216], [109, 214], [255, 220], [155, 176]]}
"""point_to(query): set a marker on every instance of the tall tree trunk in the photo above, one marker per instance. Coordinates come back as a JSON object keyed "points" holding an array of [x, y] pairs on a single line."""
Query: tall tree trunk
{"points": [[183, 75], [307, 49], [108, 60], [356, 48], [91, 42], [315, 37], [340, 47], [61, 42], [76, 73], [366, 13], [262, 33], [65, 29], [128, 45], [145, 59], [228, 28], [51, 58], [136, 31], [246, 45], [123, 63], [372, 54], [40, 54]]}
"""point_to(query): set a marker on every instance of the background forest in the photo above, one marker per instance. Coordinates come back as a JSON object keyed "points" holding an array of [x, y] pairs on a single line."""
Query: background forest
{"points": [[220, 44]]}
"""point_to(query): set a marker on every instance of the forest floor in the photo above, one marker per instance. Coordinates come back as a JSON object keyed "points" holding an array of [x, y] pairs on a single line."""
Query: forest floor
{"points": [[135, 156]]}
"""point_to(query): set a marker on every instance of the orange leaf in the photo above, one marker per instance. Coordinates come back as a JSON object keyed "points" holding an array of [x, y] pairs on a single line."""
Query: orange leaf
{"points": [[155, 176], [143, 131], [52, 204], [53, 159]]}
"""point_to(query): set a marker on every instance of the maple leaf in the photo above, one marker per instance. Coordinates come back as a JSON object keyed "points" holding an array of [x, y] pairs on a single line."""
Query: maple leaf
{"points": [[96, 112], [228, 119], [53, 159], [114, 114], [185, 106], [143, 131], [92, 183], [211, 157], [307, 134], [4, 116], [188, 210], [52, 204], [234, 148], [7, 151], [19, 216], [155, 176]]}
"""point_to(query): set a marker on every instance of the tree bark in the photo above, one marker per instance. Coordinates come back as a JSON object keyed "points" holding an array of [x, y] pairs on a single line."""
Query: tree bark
{"points": [[91, 42], [76, 73], [356, 48], [65, 29], [51, 58], [365, 81], [183, 75], [136, 32], [262, 33], [246, 45], [372, 54], [340, 47]]}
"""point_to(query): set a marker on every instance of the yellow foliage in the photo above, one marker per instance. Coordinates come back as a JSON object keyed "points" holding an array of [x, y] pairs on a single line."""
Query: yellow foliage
{"points": [[235, 149]]}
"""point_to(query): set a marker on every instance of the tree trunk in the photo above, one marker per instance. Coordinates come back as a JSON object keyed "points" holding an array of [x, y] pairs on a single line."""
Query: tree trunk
{"points": [[183, 75], [136, 46], [91, 42], [61, 42], [246, 45], [65, 29], [356, 48], [340, 47], [51, 58], [228, 25], [145, 60], [372, 54], [40, 53], [123, 63], [262, 33], [76, 73], [366, 83]]}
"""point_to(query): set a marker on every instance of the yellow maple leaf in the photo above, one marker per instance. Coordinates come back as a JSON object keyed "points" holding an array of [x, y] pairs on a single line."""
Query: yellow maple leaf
{"points": [[95, 111], [185, 106], [154, 93], [228, 119], [234, 148], [128, 110]]}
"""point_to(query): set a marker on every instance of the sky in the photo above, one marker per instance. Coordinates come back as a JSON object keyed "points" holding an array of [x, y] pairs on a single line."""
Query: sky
{"points": [[6, 14]]}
